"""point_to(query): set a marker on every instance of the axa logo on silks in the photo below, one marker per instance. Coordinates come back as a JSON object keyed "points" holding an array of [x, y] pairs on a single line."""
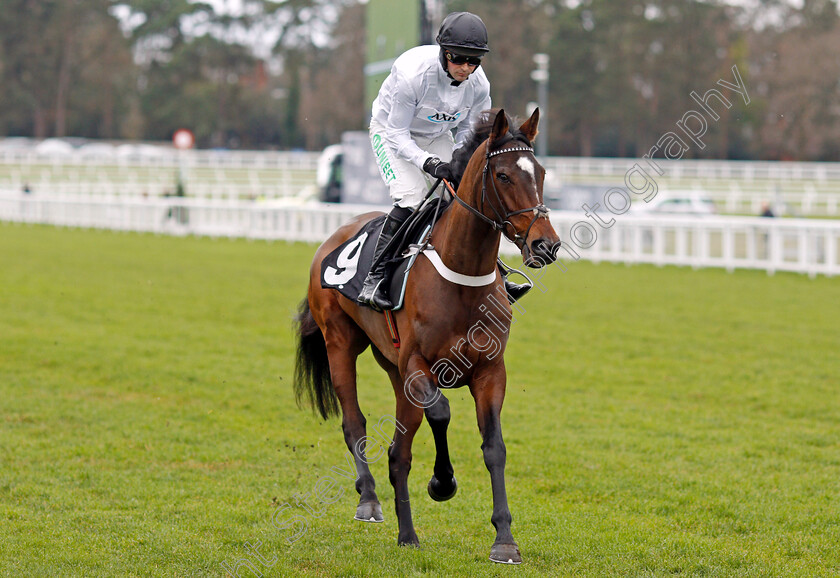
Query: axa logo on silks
{"points": [[444, 117]]}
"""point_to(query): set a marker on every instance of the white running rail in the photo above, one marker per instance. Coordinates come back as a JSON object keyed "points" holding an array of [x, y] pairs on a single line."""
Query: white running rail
{"points": [[809, 246]]}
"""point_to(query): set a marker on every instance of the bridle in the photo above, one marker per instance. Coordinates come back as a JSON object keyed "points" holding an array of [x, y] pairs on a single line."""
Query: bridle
{"points": [[501, 222]]}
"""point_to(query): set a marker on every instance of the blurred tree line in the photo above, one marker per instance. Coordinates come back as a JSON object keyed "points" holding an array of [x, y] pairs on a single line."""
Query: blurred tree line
{"points": [[288, 73]]}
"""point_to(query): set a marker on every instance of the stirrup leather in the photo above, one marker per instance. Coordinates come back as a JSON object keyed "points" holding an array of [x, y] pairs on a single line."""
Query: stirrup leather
{"points": [[374, 290], [515, 291]]}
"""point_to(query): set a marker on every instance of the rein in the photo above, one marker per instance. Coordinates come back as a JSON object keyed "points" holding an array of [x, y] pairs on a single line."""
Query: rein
{"points": [[500, 222]]}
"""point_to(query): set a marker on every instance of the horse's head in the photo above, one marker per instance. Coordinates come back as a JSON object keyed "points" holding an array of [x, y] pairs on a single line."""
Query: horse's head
{"points": [[512, 190]]}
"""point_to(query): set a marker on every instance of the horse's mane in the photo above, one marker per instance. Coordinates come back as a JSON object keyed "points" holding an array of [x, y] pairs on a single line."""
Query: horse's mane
{"points": [[479, 133]]}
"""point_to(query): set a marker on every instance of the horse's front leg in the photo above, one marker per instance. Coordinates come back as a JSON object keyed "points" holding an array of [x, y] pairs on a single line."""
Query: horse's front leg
{"points": [[488, 390], [442, 486]]}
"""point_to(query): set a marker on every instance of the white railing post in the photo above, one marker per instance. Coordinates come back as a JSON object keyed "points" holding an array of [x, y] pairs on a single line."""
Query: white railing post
{"points": [[802, 252], [774, 249], [728, 248]]}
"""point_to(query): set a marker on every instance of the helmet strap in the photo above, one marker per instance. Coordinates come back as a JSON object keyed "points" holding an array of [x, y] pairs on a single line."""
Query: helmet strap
{"points": [[444, 64]]}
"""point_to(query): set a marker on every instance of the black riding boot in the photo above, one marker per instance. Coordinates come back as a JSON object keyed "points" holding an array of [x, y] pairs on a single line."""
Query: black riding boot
{"points": [[374, 292], [515, 291]]}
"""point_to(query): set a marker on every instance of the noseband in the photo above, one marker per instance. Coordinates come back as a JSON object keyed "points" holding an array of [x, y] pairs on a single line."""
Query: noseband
{"points": [[500, 222]]}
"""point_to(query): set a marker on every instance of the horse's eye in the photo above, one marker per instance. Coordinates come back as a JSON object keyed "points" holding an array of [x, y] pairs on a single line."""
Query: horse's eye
{"points": [[503, 177]]}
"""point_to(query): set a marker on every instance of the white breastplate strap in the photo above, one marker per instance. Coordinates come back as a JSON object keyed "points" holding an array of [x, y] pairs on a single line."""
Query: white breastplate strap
{"points": [[458, 278]]}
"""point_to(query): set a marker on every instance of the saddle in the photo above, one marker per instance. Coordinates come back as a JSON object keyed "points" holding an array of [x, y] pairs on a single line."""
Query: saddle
{"points": [[346, 267]]}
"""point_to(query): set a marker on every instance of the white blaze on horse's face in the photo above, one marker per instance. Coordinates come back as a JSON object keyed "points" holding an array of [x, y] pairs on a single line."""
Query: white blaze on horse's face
{"points": [[527, 165]]}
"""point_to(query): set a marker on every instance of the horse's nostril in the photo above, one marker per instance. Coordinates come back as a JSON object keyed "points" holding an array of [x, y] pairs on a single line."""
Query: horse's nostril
{"points": [[545, 251]]}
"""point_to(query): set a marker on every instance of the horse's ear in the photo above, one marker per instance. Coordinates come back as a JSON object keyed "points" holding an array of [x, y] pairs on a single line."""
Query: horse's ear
{"points": [[529, 127], [500, 126]]}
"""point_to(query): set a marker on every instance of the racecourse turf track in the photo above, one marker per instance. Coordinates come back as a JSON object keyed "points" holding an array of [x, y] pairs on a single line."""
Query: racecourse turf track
{"points": [[658, 421]]}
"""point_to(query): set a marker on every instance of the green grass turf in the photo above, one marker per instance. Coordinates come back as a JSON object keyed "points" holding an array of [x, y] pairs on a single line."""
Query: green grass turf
{"points": [[657, 421]]}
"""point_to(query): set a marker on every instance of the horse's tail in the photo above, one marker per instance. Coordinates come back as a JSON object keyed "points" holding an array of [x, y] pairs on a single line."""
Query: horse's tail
{"points": [[312, 367]]}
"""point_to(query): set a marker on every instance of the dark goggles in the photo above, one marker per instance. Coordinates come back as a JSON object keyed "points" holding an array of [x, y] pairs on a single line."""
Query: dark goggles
{"points": [[460, 59]]}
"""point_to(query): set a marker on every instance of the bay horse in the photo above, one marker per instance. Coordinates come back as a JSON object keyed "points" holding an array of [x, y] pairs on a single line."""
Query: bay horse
{"points": [[452, 331]]}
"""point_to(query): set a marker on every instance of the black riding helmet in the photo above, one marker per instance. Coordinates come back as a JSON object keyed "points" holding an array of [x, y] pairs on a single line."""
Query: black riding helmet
{"points": [[463, 33]]}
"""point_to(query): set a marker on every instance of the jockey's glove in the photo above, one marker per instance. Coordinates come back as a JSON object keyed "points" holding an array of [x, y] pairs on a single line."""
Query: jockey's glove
{"points": [[438, 169]]}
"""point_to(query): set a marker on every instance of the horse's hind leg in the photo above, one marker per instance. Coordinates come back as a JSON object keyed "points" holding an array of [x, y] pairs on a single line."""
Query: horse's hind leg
{"points": [[409, 418], [345, 342], [413, 396]]}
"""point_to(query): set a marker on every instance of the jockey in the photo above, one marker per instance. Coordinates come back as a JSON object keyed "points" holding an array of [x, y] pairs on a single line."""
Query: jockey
{"points": [[430, 92]]}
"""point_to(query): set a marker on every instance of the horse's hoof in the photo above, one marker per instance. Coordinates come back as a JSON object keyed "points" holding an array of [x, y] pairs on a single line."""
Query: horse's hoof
{"points": [[505, 554], [409, 541], [440, 494], [369, 512]]}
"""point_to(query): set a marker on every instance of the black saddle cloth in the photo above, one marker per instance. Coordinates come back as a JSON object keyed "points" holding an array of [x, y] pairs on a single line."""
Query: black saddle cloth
{"points": [[347, 266]]}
